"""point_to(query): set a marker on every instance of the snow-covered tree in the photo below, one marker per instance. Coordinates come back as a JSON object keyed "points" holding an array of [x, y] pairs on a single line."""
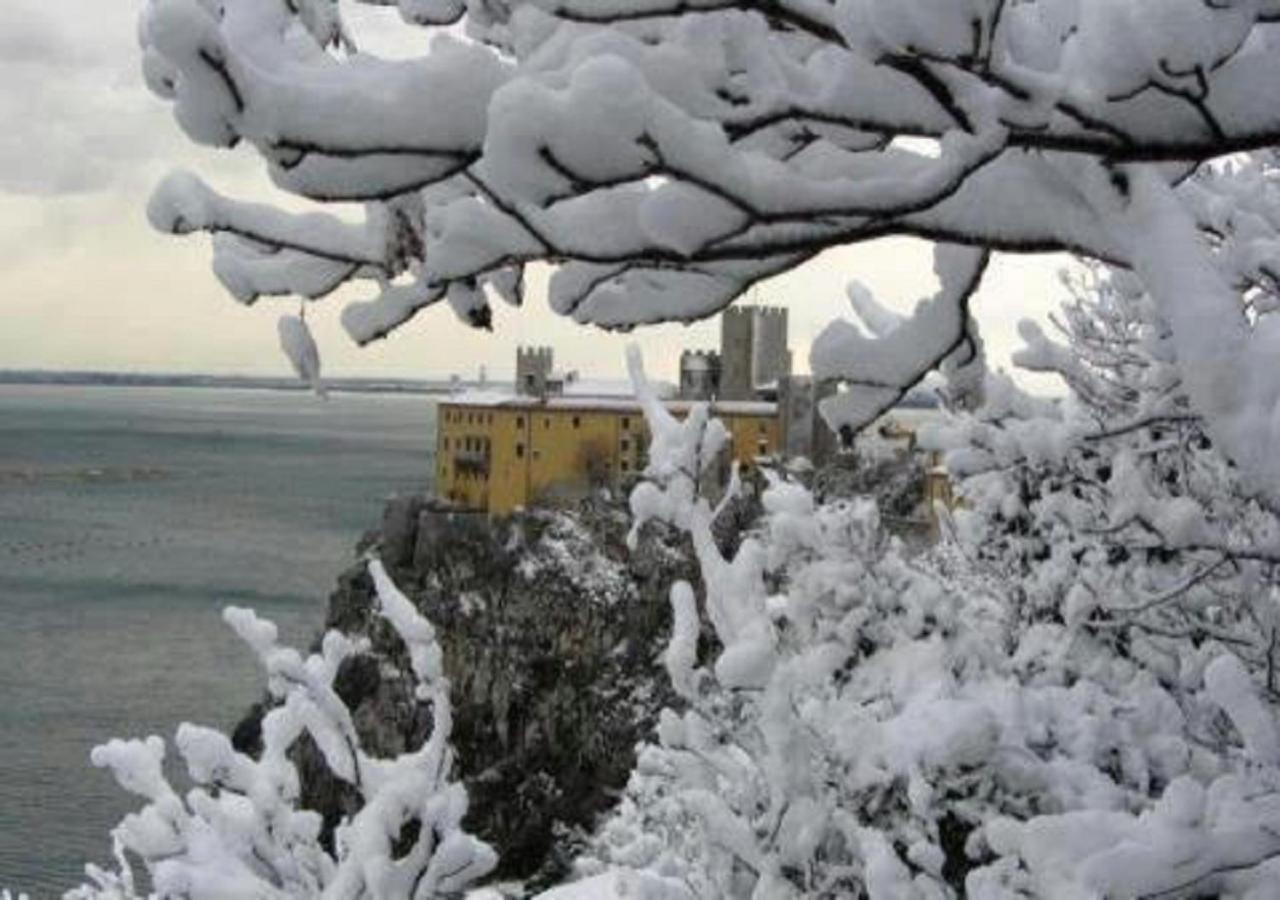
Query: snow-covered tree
{"points": [[667, 154], [239, 831], [867, 724], [873, 726]]}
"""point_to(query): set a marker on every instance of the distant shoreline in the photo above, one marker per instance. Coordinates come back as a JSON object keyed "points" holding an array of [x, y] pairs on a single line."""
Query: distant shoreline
{"points": [[251, 382], [916, 399]]}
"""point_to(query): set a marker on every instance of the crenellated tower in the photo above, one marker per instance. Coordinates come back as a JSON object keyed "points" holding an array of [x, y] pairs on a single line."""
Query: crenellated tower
{"points": [[699, 374], [533, 370]]}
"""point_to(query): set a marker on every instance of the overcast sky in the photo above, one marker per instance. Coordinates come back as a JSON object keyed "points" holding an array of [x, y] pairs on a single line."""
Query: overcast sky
{"points": [[86, 284]]}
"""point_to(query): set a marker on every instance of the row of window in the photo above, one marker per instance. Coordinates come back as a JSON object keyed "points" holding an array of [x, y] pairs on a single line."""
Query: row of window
{"points": [[479, 418], [484, 445], [467, 444], [473, 444], [457, 417]]}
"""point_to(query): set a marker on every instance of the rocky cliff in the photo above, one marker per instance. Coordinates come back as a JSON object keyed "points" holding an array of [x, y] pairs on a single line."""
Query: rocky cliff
{"points": [[551, 631]]}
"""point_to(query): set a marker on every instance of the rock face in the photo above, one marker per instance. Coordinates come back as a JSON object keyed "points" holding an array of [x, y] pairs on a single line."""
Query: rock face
{"points": [[552, 632]]}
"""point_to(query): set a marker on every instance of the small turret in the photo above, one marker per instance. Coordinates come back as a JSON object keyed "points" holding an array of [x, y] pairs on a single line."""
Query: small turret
{"points": [[699, 374], [533, 370]]}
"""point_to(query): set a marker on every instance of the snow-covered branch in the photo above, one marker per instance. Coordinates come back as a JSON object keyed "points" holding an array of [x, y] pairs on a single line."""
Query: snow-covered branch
{"points": [[239, 832], [664, 156], [873, 726]]}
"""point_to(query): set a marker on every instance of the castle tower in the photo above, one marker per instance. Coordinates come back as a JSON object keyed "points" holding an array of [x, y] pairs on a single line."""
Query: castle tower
{"points": [[533, 370], [699, 374], [770, 359], [737, 331], [798, 414]]}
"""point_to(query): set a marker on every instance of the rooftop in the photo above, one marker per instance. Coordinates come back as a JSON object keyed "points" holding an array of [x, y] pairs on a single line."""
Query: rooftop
{"points": [[508, 400]]}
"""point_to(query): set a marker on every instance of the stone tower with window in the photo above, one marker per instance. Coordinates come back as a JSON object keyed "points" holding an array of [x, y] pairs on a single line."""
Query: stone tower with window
{"points": [[737, 330], [533, 370], [753, 350]]}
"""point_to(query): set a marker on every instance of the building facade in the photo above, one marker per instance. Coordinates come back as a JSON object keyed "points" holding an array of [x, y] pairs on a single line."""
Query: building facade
{"points": [[498, 453]]}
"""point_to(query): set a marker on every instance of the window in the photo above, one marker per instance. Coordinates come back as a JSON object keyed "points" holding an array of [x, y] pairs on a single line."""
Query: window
{"points": [[626, 423], [626, 445], [445, 444], [624, 466], [577, 422], [763, 427], [519, 451], [519, 421], [537, 454], [546, 423]]}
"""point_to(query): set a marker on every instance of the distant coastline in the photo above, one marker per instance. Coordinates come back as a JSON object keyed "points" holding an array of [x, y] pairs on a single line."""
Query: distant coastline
{"points": [[918, 398], [249, 382]]}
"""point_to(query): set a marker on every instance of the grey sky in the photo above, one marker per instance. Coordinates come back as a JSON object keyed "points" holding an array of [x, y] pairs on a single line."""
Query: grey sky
{"points": [[85, 283]]}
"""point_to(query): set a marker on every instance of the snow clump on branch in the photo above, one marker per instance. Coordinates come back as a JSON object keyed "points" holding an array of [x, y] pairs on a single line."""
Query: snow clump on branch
{"points": [[239, 832], [881, 727], [666, 155]]}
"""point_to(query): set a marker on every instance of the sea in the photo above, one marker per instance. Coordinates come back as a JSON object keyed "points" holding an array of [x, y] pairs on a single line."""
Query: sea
{"points": [[129, 518]]}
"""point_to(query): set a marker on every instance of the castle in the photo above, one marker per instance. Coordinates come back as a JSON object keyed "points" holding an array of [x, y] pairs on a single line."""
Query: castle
{"points": [[557, 435], [554, 434]]}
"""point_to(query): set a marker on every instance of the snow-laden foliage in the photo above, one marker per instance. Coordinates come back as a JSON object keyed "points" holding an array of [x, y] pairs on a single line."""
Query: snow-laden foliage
{"points": [[665, 155], [238, 832], [874, 726], [1112, 511]]}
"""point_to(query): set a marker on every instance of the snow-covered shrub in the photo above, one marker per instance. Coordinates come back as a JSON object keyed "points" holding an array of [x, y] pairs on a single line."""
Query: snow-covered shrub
{"points": [[1111, 511], [869, 727], [238, 832]]}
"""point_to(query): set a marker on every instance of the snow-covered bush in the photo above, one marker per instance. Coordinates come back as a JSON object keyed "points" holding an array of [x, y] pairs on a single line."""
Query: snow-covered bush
{"points": [[665, 155], [1111, 511], [238, 832], [871, 727]]}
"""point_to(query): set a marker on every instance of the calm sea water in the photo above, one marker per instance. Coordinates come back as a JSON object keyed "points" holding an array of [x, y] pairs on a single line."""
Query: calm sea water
{"points": [[128, 519]]}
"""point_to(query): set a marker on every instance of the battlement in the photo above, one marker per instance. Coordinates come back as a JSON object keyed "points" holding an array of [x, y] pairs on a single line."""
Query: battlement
{"points": [[533, 370], [534, 354], [709, 357]]}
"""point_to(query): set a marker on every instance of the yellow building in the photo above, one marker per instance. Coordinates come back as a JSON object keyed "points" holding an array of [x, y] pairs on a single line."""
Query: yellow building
{"points": [[500, 452]]}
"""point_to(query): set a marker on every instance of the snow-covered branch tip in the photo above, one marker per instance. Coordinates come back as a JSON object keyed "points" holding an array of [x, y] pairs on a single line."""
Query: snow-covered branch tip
{"points": [[239, 831], [667, 156]]}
